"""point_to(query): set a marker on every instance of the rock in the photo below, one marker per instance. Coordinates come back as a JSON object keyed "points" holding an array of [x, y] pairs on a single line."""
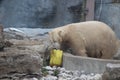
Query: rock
{"points": [[112, 72], [62, 69], [48, 68], [30, 79], [69, 75], [16, 35], [14, 60], [20, 76], [49, 77], [77, 73], [98, 77], [117, 55], [1, 38], [25, 42], [23, 33], [83, 77], [50, 72], [38, 48]]}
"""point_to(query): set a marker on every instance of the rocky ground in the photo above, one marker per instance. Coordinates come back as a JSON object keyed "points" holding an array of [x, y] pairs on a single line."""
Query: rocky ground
{"points": [[17, 60], [59, 73]]}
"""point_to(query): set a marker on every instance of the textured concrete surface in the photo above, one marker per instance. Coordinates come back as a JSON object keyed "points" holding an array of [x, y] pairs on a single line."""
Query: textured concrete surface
{"points": [[90, 65]]}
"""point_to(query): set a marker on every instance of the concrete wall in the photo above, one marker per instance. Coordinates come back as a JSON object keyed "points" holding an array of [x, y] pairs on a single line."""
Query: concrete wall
{"points": [[89, 65]]}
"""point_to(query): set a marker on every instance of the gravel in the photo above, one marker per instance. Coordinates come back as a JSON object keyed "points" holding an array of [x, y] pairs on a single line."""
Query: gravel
{"points": [[59, 73]]}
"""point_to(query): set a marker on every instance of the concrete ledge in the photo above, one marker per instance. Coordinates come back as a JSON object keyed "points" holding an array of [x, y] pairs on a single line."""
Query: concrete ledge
{"points": [[90, 65]]}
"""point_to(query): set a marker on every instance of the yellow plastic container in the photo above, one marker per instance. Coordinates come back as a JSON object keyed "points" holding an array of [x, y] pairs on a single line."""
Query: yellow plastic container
{"points": [[56, 57]]}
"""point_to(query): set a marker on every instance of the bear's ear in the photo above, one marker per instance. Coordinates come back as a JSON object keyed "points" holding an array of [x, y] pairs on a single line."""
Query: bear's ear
{"points": [[60, 34]]}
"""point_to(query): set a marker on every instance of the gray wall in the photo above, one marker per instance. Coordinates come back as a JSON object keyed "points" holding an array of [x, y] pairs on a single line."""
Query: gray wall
{"points": [[54, 13], [38, 13], [109, 13]]}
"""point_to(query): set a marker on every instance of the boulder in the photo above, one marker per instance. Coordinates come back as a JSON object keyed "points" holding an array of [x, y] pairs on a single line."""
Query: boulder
{"points": [[20, 60], [112, 72]]}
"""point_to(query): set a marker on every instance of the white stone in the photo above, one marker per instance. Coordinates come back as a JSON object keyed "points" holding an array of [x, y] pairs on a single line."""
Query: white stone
{"points": [[50, 72], [58, 68], [34, 79], [54, 67], [76, 78], [92, 74], [82, 71], [98, 77], [76, 74], [110, 65], [30, 79], [48, 68], [64, 75], [70, 75], [49, 77], [62, 69], [83, 77], [61, 78]]}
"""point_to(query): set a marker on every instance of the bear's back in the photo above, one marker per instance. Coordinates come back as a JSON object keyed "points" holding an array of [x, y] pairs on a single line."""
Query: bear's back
{"points": [[97, 37]]}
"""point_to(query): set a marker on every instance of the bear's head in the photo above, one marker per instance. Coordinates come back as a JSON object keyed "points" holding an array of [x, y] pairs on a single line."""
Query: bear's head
{"points": [[56, 37]]}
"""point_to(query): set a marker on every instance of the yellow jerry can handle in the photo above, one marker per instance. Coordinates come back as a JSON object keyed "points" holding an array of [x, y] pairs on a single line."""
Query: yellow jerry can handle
{"points": [[56, 57]]}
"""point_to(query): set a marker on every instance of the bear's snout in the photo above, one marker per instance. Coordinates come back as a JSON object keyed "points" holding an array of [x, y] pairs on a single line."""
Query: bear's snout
{"points": [[56, 45]]}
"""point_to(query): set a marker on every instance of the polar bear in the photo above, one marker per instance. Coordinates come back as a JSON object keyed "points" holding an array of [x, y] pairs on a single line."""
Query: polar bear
{"points": [[90, 39]]}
